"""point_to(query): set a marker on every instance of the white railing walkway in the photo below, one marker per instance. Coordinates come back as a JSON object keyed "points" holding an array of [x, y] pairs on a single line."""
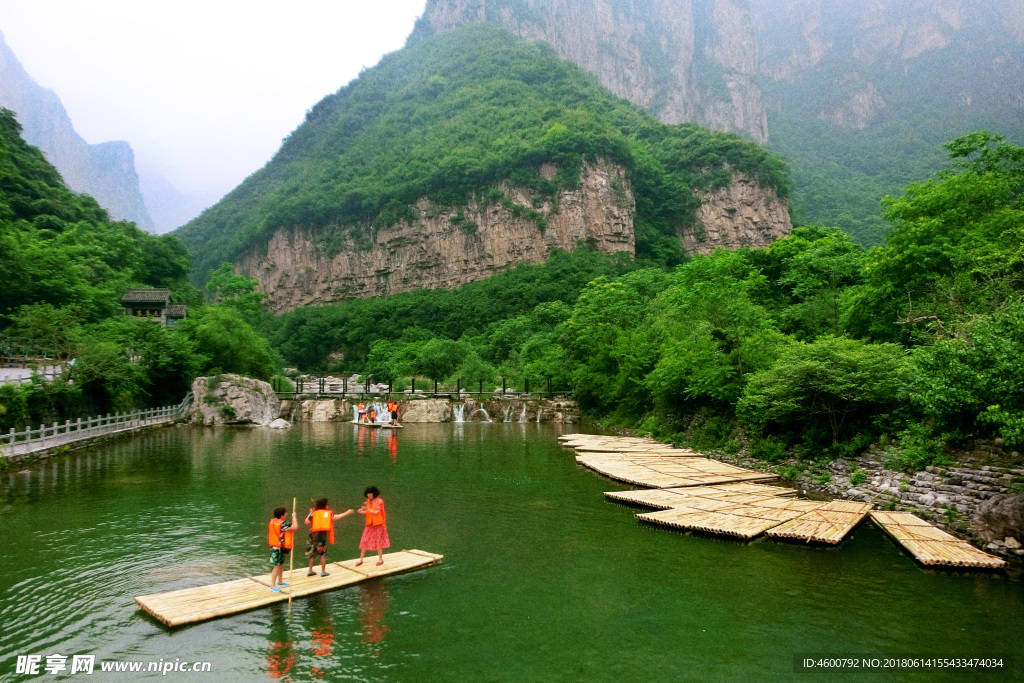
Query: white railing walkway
{"points": [[15, 443]]}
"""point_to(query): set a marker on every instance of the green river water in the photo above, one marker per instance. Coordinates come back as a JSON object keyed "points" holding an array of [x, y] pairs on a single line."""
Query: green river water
{"points": [[543, 578]]}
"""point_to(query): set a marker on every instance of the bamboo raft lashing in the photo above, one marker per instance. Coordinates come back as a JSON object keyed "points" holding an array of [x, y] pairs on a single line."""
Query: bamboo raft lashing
{"points": [[930, 545], [668, 472], [191, 605]]}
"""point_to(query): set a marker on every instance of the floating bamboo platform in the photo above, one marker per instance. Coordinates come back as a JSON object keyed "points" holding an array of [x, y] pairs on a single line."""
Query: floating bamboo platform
{"points": [[743, 518], [932, 546], [191, 605], [657, 471], [829, 523], [664, 499]]}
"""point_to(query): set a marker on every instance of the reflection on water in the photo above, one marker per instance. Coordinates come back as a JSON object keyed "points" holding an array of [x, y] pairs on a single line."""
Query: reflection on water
{"points": [[373, 607], [281, 655]]}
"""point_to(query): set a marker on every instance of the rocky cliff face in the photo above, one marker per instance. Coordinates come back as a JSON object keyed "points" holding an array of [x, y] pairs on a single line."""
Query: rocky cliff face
{"points": [[683, 60], [105, 171], [741, 215], [440, 249]]}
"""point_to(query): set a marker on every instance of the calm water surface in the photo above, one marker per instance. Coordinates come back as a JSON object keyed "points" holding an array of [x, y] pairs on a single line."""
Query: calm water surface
{"points": [[543, 579]]}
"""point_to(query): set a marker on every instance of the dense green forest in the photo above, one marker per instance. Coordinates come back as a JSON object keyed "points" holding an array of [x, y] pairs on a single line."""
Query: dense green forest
{"points": [[64, 266], [815, 343], [448, 118]]}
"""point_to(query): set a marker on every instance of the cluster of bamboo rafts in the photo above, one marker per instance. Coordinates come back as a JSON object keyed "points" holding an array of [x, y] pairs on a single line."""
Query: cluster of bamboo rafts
{"points": [[693, 492]]}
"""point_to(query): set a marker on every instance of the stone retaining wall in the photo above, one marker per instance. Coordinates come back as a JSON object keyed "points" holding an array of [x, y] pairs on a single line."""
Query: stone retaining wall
{"points": [[426, 410]]}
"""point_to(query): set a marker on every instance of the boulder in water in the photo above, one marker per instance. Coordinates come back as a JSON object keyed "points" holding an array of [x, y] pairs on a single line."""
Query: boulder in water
{"points": [[280, 423], [233, 399]]}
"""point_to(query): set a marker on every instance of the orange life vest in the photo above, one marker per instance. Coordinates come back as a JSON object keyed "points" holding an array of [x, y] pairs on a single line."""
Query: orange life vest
{"points": [[274, 537], [362, 408], [323, 520], [378, 517], [373, 416]]}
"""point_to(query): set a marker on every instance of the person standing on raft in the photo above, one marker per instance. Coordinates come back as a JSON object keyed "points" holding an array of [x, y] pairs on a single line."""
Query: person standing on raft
{"points": [[375, 534], [362, 412], [281, 539], [393, 409], [321, 521]]}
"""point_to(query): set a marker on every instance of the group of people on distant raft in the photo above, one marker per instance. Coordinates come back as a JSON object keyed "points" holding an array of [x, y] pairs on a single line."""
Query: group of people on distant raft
{"points": [[320, 520], [369, 414]]}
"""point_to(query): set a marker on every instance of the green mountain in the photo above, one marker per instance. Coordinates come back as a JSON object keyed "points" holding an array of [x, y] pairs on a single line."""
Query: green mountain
{"points": [[478, 129]]}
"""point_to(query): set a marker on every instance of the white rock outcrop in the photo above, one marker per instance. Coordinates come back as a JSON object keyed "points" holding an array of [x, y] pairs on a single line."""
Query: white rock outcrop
{"points": [[233, 399]]}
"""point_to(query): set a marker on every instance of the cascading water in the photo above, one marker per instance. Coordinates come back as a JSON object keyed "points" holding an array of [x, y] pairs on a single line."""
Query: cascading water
{"points": [[505, 412], [381, 409], [459, 410], [487, 418], [355, 413], [522, 415], [538, 414]]}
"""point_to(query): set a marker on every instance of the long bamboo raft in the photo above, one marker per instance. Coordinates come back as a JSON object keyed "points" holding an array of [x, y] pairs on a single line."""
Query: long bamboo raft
{"points": [[828, 523], [664, 499], [191, 605], [932, 546], [662, 471], [742, 515]]}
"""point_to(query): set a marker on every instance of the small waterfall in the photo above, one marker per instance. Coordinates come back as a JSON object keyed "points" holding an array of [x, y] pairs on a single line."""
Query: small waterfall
{"points": [[459, 410], [522, 415], [355, 413], [380, 408], [505, 412], [487, 418], [539, 411]]}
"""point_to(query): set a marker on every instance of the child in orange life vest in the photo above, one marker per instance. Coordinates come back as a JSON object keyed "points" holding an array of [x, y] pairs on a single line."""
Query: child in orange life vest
{"points": [[375, 534], [362, 412], [321, 522], [281, 538], [373, 415]]}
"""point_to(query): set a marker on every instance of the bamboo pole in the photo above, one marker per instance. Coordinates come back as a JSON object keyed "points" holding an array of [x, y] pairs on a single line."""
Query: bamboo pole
{"points": [[291, 562]]}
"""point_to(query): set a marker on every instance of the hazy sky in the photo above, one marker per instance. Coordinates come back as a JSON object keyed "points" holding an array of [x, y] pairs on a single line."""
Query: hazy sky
{"points": [[204, 91]]}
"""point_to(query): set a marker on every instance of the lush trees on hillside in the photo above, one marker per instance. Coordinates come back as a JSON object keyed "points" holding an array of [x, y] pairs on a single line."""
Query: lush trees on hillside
{"points": [[65, 265], [450, 118]]}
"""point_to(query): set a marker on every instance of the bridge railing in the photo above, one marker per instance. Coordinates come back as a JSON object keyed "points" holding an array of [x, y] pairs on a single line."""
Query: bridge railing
{"points": [[417, 387], [30, 439]]}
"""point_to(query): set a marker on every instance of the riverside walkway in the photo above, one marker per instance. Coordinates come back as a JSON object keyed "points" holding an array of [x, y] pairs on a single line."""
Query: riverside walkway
{"points": [[16, 445]]}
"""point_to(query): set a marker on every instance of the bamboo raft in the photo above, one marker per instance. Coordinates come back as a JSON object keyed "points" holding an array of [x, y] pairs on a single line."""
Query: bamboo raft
{"points": [[744, 516], [930, 545], [658, 471], [664, 499], [191, 605], [828, 523]]}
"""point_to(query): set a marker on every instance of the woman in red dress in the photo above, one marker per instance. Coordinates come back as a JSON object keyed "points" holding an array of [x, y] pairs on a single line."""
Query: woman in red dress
{"points": [[375, 534]]}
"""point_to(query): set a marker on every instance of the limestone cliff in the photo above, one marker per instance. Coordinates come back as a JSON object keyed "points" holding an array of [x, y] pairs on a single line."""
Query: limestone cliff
{"points": [[441, 249], [741, 215], [682, 60], [105, 171]]}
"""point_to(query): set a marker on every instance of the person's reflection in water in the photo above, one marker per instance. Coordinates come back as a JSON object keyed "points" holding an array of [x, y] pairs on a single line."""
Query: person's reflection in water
{"points": [[281, 650], [393, 445], [373, 437], [359, 439], [323, 639], [373, 607]]}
